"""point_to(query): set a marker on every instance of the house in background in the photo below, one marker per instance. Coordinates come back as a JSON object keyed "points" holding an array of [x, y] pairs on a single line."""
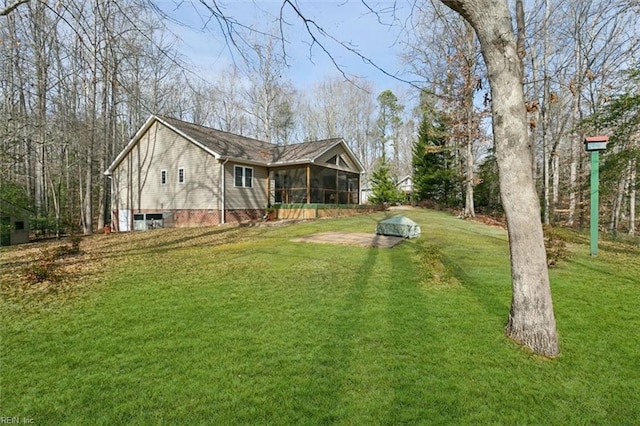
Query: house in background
{"points": [[14, 224], [405, 185], [366, 192], [174, 173]]}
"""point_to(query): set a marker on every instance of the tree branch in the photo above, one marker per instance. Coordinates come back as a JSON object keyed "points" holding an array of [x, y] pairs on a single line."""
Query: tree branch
{"points": [[8, 9], [234, 32], [314, 30]]}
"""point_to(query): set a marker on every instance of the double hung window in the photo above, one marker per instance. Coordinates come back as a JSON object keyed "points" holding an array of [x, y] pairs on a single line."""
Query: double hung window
{"points": [[243, 177]]}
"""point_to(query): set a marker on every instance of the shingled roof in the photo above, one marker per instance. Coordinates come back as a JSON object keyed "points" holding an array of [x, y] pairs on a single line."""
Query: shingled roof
{"points": [[224, 144], [302, 152], [240, 148]]}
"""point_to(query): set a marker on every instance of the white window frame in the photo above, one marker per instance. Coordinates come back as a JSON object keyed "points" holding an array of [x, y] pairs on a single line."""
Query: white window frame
{"points": [[164, 177], [244, 177], [182, 176]]}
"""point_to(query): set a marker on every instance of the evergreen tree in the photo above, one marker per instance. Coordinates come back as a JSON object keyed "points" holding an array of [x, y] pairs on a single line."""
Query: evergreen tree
{"points": [[384, 185], [434, 177], [388, 123], [487, 193]]}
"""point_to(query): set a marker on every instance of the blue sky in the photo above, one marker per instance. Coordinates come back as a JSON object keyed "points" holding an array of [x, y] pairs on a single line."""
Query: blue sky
{"points": [[349, 21]]}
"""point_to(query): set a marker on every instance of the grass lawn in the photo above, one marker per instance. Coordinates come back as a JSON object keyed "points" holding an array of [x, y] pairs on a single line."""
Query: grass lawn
{"points": [[243, 326]]}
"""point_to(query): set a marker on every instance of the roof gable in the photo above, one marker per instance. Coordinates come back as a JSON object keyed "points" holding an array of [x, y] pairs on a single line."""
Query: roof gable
{"points": [[407, 180]]}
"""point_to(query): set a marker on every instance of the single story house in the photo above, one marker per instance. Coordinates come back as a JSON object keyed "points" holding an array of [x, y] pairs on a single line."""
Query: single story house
{"points": [[14, 224], [175, 173]]}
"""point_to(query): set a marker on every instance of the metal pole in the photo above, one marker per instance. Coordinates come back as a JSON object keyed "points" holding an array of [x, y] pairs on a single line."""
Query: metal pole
{"points": [[594, 201]]}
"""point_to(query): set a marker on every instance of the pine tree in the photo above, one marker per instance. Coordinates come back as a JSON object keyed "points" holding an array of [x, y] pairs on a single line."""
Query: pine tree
{"points": [[384, 185], [487, 193], [434, 178]]}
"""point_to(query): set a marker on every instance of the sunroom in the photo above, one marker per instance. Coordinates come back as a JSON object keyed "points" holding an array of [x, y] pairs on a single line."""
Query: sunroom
{"points": [[312, 184]]}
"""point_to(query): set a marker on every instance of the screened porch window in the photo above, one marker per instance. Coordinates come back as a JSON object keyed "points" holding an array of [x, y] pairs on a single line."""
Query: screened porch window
{"points": [[327, 186], [291, 186]]}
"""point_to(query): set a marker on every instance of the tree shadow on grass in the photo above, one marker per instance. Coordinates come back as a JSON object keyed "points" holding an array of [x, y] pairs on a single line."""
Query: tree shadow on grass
{"points": [[329, 377], [491, 296]]}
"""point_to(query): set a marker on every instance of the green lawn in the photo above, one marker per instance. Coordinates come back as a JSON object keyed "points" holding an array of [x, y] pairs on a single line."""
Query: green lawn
{"points": [[243, 326]]}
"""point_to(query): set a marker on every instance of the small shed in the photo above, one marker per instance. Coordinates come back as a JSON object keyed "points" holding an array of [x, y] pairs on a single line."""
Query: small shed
{"points": [[14, 224], [398, 226]]}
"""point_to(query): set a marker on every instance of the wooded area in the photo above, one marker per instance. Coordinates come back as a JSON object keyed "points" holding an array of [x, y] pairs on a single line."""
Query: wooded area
{"points": [[79, 77]]}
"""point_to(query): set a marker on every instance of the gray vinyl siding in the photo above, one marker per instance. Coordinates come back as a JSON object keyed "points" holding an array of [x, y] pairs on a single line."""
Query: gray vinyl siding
{"points": [[245, 198], [137, 179]]}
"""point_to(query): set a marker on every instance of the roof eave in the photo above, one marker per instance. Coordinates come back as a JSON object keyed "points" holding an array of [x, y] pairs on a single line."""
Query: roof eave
{"points": [[289, 163], [243, 161]]}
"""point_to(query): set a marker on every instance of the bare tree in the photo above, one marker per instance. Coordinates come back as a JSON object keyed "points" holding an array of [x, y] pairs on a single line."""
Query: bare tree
{"points": [[11, 6], [229, 113], [531, 318], [450, 65], [77, 78], [334, 108], [269, 94]]}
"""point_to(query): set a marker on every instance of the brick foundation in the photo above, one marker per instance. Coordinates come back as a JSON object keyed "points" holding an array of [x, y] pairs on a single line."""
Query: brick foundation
{"points": [[244, 215], [195, 218]]}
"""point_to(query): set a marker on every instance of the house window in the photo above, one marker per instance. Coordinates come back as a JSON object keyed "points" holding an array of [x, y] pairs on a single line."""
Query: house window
{"points": [[163, 177], [243, 177], [19, 225], [181, 175]]}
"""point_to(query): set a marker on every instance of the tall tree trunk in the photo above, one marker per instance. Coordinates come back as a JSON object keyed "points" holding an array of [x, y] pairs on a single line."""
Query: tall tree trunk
{"points": [[531, 320], [38, 28], [469, 88], [575, 87], [521, 49], [469, 208], [617, 204], [91, 119], [546, 107], [632, 196], [555, 177]]}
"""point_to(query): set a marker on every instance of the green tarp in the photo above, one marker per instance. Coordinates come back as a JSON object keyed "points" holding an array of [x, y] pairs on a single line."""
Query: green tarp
{"points": [[398, 226]]}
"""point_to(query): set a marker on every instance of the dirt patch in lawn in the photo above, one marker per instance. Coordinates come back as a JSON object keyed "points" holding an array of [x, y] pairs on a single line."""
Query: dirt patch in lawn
{"points": [[352, 239]]}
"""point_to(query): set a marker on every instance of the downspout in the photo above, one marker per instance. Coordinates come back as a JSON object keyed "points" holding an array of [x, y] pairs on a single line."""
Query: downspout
{"points": [[110, 177], [222, 193]]}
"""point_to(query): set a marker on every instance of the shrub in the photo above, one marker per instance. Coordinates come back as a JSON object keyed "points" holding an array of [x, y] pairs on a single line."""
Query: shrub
{"points": [[40, 271], [70, 249], [45, 267], [556, 246]]}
